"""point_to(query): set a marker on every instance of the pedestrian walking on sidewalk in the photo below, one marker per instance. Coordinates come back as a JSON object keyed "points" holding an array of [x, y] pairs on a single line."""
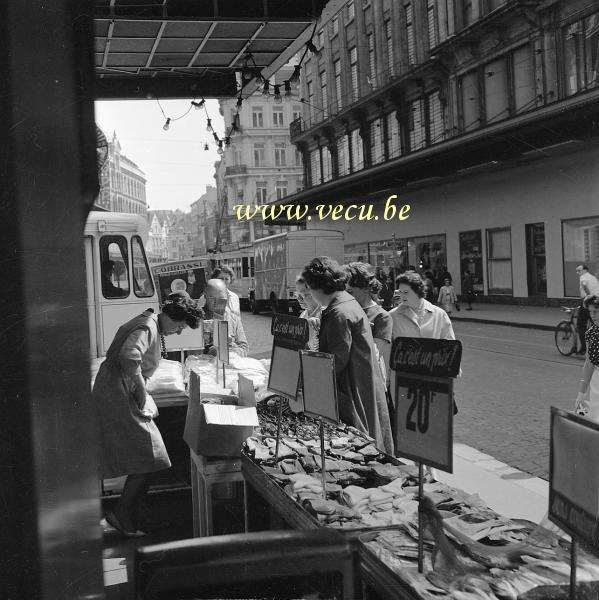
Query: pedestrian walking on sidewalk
{"points": [[468, 289], [587, 401], [589, 286], [447, 299]]}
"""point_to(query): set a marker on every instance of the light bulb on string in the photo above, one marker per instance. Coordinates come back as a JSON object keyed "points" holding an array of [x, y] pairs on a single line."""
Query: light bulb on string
{"points": [[198, 105], [208, 125], [167, 124], [287, 88], [206, 148], [239, 102], [297, 70], [265, 91], [277, 97], [219, 150]]}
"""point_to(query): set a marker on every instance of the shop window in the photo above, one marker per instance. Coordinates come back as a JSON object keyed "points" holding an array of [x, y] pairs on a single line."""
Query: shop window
{"points": [[356, 253], [499, 260], [581, 246], [142, 279], [114, 262], [471, 258], [591, 50], [496, 93]]}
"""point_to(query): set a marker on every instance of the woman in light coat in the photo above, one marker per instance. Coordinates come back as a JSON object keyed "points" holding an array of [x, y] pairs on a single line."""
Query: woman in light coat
{"points": [[130, 442]]}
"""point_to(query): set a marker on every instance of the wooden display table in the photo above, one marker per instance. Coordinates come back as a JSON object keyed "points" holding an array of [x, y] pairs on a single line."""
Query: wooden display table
{"points": [[206, 472]]}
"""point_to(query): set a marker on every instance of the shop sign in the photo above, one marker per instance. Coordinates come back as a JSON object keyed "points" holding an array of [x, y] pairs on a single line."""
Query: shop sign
{"points": [[574, 477], [424, 419], [182, 276], [425, 356]]}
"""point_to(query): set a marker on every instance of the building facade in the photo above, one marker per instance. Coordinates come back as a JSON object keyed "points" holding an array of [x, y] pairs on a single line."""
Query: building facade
{"points": [[203, 221], [482, 116], [260, 165], [122, 182]]}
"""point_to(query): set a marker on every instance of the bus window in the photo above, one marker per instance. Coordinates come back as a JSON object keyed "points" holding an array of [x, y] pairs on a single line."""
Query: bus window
{"points": [[114, 263], [142, 280]]}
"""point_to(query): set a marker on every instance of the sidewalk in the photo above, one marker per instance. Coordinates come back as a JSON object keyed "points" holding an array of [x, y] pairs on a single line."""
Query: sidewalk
{"points": [[530, 317], [506, 490]]}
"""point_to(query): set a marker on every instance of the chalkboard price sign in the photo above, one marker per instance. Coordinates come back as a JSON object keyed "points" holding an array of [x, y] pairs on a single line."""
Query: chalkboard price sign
{"points": [[424, 356], [289, 331], [424, 420]]}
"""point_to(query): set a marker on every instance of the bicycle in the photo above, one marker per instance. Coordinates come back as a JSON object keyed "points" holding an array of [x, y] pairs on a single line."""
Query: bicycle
{"points": [[566, 332]]}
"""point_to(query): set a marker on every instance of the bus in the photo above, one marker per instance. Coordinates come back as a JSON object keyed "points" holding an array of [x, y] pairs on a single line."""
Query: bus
{"points": [[239, 257]]}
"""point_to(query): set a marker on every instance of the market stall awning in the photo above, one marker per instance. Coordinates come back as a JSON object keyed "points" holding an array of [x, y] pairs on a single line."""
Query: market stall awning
{"points": [[187, 48]]}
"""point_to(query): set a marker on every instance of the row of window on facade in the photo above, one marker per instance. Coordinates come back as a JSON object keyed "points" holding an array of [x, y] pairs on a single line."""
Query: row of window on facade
{"points": [[263, 193], [503, 88], [260, 122], [580, 240], [283, 155], [518, 81], [128, 185]]}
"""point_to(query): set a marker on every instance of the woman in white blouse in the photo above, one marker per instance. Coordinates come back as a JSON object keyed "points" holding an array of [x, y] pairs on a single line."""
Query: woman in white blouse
{"points": [[311, 310], [226, 274], [415, 316]]}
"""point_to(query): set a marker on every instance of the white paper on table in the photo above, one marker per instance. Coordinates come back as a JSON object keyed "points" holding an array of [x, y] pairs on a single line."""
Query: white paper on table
{"points": [[115, 571], [227, 414]]}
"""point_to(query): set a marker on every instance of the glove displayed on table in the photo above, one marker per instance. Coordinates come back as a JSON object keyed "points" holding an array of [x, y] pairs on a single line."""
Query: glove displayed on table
{"points": [[582, 405]]}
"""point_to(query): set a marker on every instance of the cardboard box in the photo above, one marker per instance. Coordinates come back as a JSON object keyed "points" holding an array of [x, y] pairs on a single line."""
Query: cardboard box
{"points": [[216, 425]]}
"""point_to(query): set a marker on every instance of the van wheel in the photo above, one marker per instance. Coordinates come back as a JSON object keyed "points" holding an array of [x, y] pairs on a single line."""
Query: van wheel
{"points": [[274, 304], [254, 306]]}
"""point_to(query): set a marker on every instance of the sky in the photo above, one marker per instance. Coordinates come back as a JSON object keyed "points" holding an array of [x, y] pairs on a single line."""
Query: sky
{"points": [[177, 167]]}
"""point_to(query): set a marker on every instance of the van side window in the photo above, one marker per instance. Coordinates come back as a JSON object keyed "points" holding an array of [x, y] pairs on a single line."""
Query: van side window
{"points": [[143, 286], [114, 261]]}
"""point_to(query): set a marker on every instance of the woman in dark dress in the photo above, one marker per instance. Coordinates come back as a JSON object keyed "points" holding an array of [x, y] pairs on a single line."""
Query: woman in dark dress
{"points": [[345, 332]]}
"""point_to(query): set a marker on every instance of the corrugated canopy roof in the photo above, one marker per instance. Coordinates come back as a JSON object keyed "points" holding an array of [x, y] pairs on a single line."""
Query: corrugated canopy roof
{"points": [[186, 48]]}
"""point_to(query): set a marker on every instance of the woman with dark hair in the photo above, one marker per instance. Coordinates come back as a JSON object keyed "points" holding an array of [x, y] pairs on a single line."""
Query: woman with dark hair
{"points": [[345, 332], [362, 285], [587, 401], [415, 316], [226, 274], [130, 442]]}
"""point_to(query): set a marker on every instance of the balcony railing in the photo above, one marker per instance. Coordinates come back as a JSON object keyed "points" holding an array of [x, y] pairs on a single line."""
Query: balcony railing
{"points": [[236, 170]]}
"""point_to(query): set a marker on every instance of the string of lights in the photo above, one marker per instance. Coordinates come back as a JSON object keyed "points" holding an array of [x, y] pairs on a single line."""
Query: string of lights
{"points": [[249, 72]]}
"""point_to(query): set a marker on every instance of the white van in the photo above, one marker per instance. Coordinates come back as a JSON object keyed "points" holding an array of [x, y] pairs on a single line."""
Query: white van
{"points": [[278, 259], [119, 281]]}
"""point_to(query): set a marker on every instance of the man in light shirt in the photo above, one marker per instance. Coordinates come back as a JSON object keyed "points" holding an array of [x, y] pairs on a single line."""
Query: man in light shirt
{"points": [[589, 286], [216, 297]]}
